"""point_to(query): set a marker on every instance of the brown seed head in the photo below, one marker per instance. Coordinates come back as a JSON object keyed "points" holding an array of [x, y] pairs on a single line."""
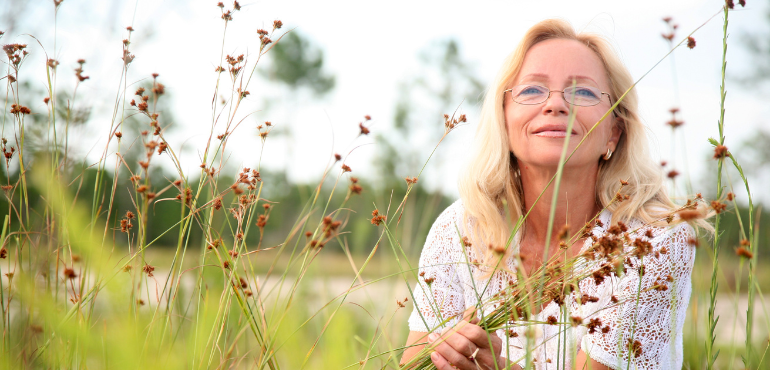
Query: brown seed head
{"points": [[689, 215], [148, 270], [564, 232], [364, 129], [718, 206], [745, 253], [745, 243], [690, 42], [720, 151]]}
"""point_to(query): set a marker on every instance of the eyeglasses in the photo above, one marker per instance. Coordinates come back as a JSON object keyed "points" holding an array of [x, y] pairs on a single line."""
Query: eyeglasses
{"points": [[584, 96]]}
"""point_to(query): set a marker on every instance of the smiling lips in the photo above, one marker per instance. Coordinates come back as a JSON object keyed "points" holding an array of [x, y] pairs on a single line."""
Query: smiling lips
{"points": [[552, 131]]}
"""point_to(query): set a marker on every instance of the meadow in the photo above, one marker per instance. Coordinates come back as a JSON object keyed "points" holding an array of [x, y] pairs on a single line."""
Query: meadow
{"points": [[135, 261]]}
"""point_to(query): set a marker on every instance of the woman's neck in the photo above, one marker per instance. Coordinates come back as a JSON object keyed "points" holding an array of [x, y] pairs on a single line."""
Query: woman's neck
{"points": [[575, 206]]}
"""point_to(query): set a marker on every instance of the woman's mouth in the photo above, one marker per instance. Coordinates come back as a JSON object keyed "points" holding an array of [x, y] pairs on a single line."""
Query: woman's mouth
{"points": [[553, 131]]}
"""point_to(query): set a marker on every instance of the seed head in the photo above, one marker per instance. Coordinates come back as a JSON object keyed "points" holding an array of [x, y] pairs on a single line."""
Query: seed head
{"points": [[720, 151], [364, 130], [672, 174], [277, 24], [690, 42], [497, 249], [689, 215], [745, 253], [745, 243], [635, 346], [718, 206], [564, 232], [346, 168], [148, 270]]}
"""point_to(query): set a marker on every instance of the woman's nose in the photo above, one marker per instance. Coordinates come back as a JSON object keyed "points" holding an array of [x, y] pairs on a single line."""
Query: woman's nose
{"points": [[555, 104]]}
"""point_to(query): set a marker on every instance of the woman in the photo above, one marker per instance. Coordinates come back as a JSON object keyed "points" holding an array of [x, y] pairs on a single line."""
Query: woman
{"points": [[515, 154]]}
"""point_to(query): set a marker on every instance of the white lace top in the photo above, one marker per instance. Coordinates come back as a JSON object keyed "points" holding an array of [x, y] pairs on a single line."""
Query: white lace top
{"points": [[648, 328]]}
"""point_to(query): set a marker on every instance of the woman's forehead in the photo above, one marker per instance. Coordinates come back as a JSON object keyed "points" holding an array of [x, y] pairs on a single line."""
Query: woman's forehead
{"points": [[560, 61]]}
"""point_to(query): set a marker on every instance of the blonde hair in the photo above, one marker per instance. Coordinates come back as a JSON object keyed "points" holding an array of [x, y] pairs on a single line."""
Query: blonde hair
{"points": [[491, 179]]}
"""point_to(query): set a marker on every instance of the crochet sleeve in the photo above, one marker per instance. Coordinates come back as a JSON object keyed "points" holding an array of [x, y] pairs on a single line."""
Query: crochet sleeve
{"points": [[644, 326], [438, 295]]}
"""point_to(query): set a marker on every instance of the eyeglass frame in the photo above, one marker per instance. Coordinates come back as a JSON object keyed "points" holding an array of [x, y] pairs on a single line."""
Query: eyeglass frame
{"points": [[562, 96]]}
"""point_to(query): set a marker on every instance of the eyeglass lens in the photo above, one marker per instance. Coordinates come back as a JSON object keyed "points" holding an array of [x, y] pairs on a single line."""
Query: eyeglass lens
{"points": [[578, 95]]}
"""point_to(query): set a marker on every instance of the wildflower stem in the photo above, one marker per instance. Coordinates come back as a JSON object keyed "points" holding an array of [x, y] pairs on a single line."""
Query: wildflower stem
{"points": [[712, 318]]}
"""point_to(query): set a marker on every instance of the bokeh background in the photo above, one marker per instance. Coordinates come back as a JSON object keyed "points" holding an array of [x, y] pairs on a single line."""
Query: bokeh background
{"points": [[404, 63]]}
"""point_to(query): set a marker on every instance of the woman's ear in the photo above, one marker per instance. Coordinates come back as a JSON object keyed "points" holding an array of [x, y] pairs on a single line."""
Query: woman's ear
{"points": [[617, 129]]}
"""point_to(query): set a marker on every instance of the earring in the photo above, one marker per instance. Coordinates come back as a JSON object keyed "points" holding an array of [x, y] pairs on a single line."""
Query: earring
{"points": [[608, 155]]}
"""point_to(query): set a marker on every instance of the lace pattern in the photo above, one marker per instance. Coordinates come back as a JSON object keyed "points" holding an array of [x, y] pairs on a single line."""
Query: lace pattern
{"points": [[641, 321]]}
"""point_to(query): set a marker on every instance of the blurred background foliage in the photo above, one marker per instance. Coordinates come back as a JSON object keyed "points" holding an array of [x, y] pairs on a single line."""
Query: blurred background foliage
{"points": [[442, 81]]}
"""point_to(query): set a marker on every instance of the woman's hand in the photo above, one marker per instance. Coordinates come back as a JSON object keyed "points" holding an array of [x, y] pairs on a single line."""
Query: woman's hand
{"points": [[466, 346]]}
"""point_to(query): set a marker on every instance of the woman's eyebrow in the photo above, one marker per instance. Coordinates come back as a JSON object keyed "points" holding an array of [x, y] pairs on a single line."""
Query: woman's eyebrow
{"points": [[541, 77], [535, 76], [580, 78]]}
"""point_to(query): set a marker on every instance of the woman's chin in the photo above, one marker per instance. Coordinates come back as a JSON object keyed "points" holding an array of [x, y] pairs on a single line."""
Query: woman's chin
{"points": [[549, 161]]}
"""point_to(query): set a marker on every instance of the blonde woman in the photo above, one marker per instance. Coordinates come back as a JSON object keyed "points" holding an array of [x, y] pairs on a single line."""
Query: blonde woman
{"points": [[516, 152]]}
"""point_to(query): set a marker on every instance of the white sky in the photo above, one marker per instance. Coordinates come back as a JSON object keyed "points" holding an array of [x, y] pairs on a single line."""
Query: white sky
{"points": [[371, 47]]}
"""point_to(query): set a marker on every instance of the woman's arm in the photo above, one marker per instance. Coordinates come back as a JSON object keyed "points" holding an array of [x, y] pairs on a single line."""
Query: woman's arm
{"points": [[583, 362], [452, 349]]}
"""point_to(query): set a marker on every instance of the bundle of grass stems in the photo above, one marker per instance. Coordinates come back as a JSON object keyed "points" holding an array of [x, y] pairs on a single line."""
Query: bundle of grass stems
{"points": [[558, 280]]}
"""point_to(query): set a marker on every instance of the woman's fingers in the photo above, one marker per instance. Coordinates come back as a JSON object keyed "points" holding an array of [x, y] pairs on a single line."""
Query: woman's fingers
{"points": [[440, 362], [465, 343], [448, 353]]}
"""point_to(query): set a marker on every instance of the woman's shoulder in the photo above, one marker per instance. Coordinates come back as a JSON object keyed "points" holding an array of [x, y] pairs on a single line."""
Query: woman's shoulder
{"points": [[452, 215]]}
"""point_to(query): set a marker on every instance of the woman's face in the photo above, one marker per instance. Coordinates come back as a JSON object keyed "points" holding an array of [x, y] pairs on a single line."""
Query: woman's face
{"points": [[536, 132]]}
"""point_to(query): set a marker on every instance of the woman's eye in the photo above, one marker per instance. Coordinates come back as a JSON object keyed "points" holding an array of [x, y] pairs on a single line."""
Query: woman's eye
{"points": [[531, 91], [584, 92]]}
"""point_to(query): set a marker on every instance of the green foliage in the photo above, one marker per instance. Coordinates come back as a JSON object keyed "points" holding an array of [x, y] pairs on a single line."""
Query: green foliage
{"points": [[297, 64]]}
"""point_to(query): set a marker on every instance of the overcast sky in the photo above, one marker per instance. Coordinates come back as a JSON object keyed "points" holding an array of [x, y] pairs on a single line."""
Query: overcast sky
{"points": [[371, 47]]}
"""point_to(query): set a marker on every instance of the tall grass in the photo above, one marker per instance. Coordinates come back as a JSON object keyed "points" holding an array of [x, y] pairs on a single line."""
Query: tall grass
{"points": [[88, 282]]}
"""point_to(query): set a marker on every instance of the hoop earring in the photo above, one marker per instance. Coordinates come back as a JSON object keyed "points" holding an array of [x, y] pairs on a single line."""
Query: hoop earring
{"points": [[608, 155]]}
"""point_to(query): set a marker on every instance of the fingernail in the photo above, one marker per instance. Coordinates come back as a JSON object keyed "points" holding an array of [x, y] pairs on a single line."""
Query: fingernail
{"points": [[432, 338]]}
